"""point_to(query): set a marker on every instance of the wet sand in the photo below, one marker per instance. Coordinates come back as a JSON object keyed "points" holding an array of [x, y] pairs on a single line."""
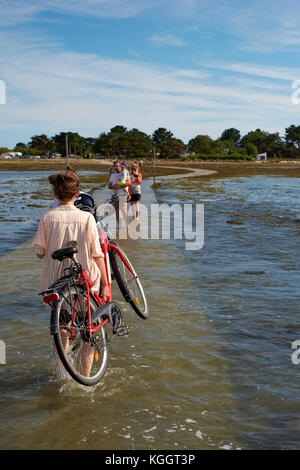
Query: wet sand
{"points": [[236, 169], [221, 169]]}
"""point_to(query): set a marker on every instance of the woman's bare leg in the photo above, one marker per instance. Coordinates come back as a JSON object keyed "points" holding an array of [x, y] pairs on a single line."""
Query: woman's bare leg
{"points": [[86, 359], [57, 364], [134, 207]]}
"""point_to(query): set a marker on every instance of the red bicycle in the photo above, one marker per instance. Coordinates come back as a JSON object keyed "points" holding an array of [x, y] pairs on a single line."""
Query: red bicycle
{"points": [[123, 271], [81, 324]]}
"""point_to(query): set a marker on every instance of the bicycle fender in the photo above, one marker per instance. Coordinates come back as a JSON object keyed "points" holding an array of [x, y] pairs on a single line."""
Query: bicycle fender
{"points": [[109, 309], [53, 323]]}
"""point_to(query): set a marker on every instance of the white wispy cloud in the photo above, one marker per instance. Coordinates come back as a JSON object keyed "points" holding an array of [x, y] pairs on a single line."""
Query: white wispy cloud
{"points": [[258, 84], [192, 73], [277, 39], [15, 11], [261, 25], [269, 71], [20, 11], [167, 40]]}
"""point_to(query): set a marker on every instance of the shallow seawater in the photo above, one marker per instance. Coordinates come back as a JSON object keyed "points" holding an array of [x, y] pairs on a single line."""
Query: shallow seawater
{"points": [[23, 198], [210, 369], [248, 275]]}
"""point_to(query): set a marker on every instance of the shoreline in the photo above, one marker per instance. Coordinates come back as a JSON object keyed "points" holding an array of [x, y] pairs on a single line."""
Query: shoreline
{"points": [[223, 169], [217, 169]]}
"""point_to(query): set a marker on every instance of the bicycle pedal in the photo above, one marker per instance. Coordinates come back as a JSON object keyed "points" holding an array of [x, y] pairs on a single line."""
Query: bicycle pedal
{"points": [[122, 330]]}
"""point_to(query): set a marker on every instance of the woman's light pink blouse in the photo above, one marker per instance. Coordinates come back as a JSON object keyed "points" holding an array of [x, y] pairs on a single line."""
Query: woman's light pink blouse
{"points": [[59, 226]]}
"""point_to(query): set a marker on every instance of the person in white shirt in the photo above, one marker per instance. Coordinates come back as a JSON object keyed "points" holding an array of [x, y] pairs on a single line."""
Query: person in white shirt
{"points": [[119, 183]]}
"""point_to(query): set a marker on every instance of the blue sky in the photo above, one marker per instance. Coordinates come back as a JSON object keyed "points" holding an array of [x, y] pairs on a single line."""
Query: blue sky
{"points": [[192, 66]]}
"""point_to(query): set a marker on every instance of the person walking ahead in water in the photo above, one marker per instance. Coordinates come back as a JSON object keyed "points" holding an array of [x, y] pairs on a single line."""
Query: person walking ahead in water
{"points": [[119, 183], [136, 181]]}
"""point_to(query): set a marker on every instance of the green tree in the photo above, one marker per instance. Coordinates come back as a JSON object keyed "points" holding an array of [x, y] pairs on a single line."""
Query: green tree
{"points": [[178, 147], [88, 146], [251, 149], [116, 138], [264, 141], [76, 143], [60, 142], [102, 145], [112, 143], [226, 147], [137, 144], [122, 142], [4, 150], [232, 135], [42, 143], [20, 145], [202, 144], [166, 144], [292, 137]]}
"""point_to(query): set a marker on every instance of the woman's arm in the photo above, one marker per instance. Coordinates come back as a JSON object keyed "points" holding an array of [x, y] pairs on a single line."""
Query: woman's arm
{"points": [[39, 242]]}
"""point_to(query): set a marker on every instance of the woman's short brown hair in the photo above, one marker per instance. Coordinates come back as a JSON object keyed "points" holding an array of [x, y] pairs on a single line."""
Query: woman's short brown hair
{"points": [[65, 184]]}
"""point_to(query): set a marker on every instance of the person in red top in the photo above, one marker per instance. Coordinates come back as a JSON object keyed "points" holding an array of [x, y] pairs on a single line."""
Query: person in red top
{"points": [[135, 188]]}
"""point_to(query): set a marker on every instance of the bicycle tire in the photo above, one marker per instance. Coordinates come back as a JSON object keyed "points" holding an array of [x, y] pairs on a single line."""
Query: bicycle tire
{"points": [[129, 285], [79, 345]]}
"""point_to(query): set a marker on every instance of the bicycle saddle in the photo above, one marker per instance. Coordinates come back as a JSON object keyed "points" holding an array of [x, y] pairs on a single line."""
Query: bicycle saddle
{"points": [[64, 253]]}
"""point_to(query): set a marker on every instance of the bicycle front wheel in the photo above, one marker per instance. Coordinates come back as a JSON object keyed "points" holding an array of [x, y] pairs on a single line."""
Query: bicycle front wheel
{"points": [[128, 282], [83, 355]]}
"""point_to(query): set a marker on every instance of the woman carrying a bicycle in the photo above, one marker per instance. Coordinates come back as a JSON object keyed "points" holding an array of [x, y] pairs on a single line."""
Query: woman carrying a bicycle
{"points": [[62, 225]]}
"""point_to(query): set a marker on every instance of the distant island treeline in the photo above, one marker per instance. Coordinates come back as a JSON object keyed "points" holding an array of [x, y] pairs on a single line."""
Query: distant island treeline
{"points": [[124, 143]]}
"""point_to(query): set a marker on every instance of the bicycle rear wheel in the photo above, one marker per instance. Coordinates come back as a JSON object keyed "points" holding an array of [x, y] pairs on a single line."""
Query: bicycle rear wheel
{"points": [[128, 282], [84, 356]]}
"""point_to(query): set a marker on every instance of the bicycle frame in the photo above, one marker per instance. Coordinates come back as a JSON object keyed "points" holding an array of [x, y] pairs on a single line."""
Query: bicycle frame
{"points": [[107, 244], [83, 279]]}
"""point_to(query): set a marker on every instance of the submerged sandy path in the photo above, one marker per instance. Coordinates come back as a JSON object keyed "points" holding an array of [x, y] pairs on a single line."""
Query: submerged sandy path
{"points": [[195, 172], [147, 186]]}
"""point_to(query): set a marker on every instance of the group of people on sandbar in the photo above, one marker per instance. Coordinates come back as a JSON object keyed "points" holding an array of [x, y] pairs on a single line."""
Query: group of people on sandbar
{"points": [[126, 187]]}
